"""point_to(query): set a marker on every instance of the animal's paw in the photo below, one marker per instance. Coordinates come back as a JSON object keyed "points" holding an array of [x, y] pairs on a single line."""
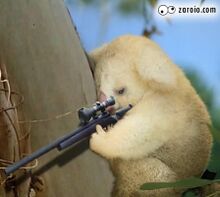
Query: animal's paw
{"points": [[98, 140]]}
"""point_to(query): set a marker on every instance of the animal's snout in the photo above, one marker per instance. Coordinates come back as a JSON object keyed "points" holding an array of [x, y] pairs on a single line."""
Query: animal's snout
{"points": [[102, 96]]}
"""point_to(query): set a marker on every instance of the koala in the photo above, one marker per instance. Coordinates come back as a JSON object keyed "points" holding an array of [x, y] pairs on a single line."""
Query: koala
{"points": [[166, 135]]}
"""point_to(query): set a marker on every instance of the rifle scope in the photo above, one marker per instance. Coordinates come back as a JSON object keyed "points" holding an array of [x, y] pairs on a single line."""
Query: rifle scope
{"points": [[85, 114]]}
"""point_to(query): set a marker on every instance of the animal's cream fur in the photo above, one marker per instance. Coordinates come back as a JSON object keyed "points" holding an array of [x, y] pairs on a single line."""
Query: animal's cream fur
{"points": [[166, 135]]}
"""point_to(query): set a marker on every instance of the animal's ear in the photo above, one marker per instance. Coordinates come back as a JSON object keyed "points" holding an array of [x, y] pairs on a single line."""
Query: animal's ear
{"points": [[155, 67]]}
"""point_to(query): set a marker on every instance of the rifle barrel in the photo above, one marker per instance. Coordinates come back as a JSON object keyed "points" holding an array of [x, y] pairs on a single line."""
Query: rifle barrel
{"points": [[86, 132], [12, 168]]}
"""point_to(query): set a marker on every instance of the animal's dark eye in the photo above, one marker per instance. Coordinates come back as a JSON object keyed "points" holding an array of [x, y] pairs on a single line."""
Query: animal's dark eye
{"points": [[121, 91]]}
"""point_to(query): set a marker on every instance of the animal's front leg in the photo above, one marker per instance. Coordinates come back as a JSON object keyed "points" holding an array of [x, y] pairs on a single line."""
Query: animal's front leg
{"points": [[115, 142], [134, 136], [100, 142]]}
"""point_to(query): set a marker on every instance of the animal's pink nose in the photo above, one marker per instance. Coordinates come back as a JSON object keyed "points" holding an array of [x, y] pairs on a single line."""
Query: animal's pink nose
{"points": [[103, 97]]}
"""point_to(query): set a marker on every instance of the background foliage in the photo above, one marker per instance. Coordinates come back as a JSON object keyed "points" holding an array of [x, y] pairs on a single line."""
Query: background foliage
{"points": [[207, 94]]}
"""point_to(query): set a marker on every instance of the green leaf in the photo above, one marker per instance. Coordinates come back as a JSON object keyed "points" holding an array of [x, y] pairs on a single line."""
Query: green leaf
{"points": [[153, 2], [185, 183], [130, 6], [216, 135], [213, 194], [189, 194]]}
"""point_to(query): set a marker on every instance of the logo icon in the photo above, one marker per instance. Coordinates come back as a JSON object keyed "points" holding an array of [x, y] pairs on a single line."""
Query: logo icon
{"points": [[164, 10]]}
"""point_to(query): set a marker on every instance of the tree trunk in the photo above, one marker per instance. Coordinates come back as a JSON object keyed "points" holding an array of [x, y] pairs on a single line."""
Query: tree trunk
{"points": [[45, 64]]}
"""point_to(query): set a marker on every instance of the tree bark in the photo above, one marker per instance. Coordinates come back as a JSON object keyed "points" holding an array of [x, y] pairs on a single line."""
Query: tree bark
{"points": [[46, 64]]}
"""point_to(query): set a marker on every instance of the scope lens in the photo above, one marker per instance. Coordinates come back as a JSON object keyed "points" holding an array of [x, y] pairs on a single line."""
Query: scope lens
{"points": [[110, 101]]}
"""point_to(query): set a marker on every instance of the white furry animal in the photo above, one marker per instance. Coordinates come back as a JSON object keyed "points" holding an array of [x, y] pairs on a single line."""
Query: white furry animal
{"points": [[165, 136]]}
